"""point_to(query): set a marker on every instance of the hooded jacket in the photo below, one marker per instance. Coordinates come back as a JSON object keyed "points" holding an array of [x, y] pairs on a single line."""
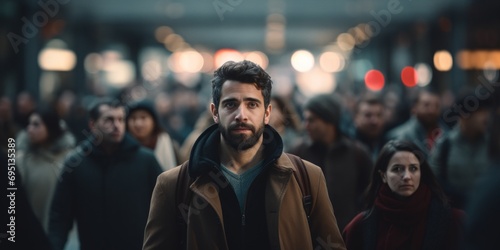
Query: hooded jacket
{"points": [[107, 194], [274, 216]]}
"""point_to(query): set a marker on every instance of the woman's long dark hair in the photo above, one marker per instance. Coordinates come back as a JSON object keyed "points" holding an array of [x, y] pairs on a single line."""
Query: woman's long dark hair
{"points": [[426, 174], [52, 122]]}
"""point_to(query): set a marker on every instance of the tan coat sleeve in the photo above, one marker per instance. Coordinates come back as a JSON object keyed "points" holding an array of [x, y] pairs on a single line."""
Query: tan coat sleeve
{"points": [[161, 229]]}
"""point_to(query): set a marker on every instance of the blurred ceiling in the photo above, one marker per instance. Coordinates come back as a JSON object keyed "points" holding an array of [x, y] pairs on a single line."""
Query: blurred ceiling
{"points": [[241, 24]]}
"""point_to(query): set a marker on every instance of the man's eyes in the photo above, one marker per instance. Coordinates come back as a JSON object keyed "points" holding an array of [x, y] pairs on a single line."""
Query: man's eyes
{"points": [[253, 104], [229, 104], [234, 104]]}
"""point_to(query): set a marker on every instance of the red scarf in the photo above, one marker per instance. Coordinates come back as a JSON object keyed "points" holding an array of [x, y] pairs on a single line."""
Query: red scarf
{"points": [[402, 219]]}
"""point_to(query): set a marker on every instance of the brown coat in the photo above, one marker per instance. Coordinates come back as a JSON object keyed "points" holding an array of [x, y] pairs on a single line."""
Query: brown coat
{"points": [[287, 223]]}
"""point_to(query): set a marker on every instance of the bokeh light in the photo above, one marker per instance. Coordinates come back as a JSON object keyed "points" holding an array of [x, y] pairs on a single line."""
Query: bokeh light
{"points": [[346, 41], [409, 76], [374, 80], [223, 55], [57, 59], [191, 61], [332, 61], [257, 57], [302, 60], [424, 74], [443, 60]]}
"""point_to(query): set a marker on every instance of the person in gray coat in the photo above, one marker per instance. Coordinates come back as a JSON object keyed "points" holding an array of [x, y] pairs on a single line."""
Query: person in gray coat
{"points": [[424, 127]]}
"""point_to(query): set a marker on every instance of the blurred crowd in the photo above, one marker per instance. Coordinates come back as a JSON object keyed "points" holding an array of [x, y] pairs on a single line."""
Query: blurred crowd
{"points": [[342, 133]]}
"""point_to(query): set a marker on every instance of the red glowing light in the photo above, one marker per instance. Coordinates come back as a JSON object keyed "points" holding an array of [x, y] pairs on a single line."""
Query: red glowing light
{"points": [[409, 76], [374, 80]]}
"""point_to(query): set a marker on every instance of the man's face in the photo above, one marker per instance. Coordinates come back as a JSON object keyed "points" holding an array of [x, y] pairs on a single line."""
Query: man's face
{"points": [[477, 122], [318, 129], [428, 109], [241, 114], [369, 119], [110, 124]]}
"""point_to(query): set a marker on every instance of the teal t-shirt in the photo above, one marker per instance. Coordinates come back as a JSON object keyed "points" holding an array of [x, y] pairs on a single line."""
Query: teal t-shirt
{"points": [[241, 183]]}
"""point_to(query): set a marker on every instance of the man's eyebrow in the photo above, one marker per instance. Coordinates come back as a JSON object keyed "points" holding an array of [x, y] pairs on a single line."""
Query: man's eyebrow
{"points": [[251, 99], [232, 99], [246, 99]]}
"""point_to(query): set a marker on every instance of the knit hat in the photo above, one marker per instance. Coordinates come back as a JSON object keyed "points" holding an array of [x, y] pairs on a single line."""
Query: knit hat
{"points": [[326, 106], [149, 107]]}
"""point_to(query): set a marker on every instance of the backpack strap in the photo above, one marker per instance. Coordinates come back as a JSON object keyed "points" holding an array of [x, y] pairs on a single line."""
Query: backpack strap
{"points": [[302, 178], [182, 198]]}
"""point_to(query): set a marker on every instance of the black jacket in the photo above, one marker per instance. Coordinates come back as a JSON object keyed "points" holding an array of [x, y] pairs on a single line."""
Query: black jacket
{"points": [[107, 195]]}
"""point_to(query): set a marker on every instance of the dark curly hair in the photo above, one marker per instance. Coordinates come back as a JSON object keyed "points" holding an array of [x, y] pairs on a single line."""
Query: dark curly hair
{"points": [[245, 72]]}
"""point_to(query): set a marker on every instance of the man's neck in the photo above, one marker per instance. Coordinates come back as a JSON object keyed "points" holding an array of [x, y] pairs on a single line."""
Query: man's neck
{"points": [[238, 161], [469, 134], [110, 148]]}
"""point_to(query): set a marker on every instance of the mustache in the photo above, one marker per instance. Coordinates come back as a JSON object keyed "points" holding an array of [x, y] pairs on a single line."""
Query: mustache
{"points": [[241, 125]]}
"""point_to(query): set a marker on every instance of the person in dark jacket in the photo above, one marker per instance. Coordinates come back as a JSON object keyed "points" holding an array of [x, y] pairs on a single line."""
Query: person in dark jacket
{"points": [[243, 192], [407, 209], [105, 186], [346, 163], [369, 124]]}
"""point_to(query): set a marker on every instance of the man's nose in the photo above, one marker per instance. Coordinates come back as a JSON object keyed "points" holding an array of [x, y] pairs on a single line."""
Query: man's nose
{"points": [[116, 123], [241, 113]]}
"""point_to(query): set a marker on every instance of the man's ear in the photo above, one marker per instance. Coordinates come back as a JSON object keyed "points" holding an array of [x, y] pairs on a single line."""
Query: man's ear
{"points": [[382, 175], [215, 114], [267, 113]]}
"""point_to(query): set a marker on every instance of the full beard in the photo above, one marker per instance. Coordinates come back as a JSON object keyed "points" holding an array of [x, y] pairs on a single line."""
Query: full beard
{"points": [[241, 142]]}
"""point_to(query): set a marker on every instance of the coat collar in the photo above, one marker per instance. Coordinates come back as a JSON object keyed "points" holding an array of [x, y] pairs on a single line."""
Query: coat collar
{"points": [[127, 145], [205, 154]]}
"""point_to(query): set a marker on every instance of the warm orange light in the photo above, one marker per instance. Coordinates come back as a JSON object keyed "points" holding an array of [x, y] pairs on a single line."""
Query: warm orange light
{"points": [[302, 60], [332, 61], [443, 60], [224, 55]]}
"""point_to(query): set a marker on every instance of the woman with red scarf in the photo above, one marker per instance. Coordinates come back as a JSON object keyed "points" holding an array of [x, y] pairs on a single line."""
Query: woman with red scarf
{"points": [[407, 208]]}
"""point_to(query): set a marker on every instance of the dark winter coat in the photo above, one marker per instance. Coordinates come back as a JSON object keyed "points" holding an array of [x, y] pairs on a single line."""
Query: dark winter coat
{"points": [[107, 195], [347, 167]]}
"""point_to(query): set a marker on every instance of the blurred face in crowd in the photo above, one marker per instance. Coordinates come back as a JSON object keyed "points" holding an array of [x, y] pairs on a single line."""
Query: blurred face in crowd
{"points": [[5, 109], [241, 114], [140, 124], [477, 123], [277, 120], [319, 130], [369, 119], [37, 131], [428, 109], [402, 174], [110, 124]]}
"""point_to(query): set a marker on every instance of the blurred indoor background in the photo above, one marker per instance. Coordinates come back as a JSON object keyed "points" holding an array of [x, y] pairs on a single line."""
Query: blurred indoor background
{"points": [[66, 50]]}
